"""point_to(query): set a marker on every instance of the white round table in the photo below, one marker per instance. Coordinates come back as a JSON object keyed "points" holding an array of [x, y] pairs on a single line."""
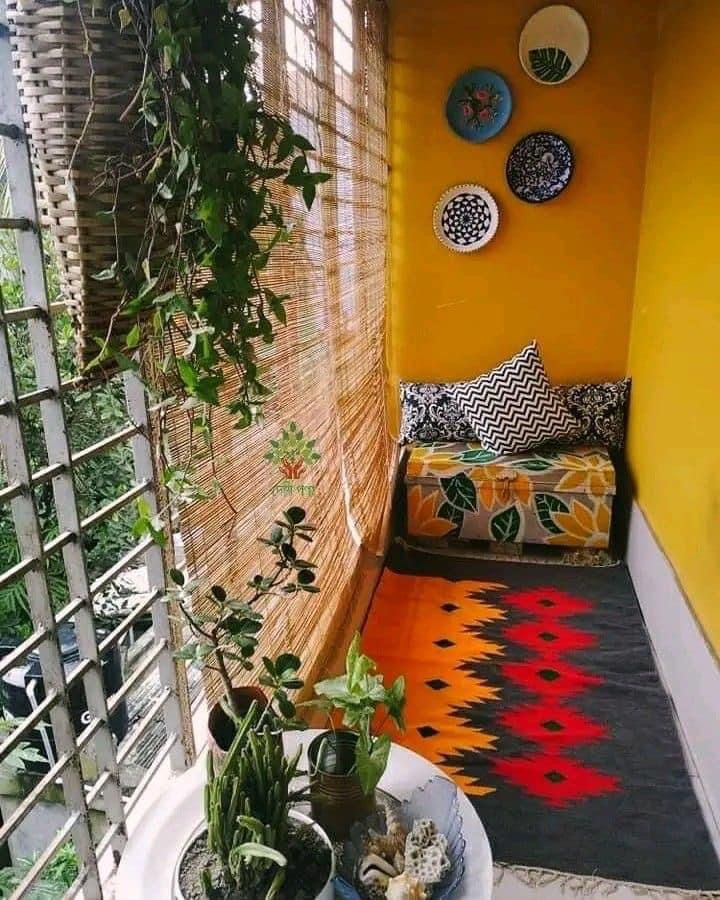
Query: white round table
{"points": [[148, 862]]}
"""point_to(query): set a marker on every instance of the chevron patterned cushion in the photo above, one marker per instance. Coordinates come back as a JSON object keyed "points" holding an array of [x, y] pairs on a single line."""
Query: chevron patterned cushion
{"points": [[514, 407]]}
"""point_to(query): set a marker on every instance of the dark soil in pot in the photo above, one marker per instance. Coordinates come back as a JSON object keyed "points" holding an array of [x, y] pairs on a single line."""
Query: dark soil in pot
{"points": [[308, 869]]}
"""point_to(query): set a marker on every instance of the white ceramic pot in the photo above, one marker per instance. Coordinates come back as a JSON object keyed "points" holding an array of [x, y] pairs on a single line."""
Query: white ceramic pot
{"points": [[327, 892]]}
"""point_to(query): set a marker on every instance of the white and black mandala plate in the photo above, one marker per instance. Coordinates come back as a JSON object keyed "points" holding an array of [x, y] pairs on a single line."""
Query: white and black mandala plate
{"points": [[539, 167], [466, 217]]}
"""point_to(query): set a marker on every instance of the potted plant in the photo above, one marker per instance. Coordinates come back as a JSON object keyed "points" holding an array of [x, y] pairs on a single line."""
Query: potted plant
{"points": [[347, 764], [226, 633], [251, 843]]}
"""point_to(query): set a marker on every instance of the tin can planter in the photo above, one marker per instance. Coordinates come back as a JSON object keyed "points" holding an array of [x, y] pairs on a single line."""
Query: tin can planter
{"points": [[336, 796], [325, 893]]}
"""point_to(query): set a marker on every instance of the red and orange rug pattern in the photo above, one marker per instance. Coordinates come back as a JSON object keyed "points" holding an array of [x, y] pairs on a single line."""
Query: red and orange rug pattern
{"points": [[534, 688]]}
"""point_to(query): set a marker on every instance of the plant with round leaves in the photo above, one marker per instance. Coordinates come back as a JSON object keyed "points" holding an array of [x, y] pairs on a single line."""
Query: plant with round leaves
{"points": [[227, 631]]}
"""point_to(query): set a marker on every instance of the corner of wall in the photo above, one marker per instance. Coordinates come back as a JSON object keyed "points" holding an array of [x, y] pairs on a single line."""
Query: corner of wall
{"points": [[660, 21]]}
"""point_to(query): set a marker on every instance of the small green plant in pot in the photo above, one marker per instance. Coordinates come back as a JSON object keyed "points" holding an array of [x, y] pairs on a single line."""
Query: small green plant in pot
{"points": [[252, 845], [347, 764], [226, 634]]}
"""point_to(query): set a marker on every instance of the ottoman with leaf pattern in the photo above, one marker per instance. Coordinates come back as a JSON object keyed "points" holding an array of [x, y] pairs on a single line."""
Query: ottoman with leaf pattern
{"points": [[560, 497]]}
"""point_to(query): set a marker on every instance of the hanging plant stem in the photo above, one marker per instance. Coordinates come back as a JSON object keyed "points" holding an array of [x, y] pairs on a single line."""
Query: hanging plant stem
{"points": [[217, 164]]}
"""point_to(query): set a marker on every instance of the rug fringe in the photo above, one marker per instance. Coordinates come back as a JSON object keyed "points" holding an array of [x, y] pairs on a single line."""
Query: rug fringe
{"points": [[571, 559], [593, 885]]}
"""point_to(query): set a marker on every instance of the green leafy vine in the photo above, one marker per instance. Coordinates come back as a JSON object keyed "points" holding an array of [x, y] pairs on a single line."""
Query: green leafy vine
{"points": [[219, 168]]}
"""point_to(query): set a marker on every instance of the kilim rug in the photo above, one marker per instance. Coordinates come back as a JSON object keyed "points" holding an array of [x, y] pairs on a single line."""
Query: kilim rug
{"points": [[534, 687]]}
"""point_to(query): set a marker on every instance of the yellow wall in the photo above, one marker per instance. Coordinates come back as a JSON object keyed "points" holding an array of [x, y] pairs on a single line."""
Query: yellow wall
{"points": [[675, 347], [562, 272]]}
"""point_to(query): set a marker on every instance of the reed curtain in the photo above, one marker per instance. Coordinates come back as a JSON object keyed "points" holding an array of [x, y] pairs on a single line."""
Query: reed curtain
{"points": [[322, 63]]}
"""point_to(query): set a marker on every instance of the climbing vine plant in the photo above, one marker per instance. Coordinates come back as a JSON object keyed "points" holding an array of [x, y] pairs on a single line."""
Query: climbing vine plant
{"points": [[215, 161], [213, 158]]}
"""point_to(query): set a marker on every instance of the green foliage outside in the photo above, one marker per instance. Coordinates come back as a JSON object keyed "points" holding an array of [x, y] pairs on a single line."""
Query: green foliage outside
{"points": [[14, 763], [91, 415], [57, 878], [62, 871]]}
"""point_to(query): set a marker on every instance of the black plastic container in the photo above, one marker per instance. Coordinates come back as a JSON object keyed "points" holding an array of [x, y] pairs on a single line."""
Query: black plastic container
{"points": [[22, 688]]}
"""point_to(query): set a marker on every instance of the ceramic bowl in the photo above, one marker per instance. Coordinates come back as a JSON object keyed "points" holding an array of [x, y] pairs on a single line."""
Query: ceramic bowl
{"points": [[327, 892]]}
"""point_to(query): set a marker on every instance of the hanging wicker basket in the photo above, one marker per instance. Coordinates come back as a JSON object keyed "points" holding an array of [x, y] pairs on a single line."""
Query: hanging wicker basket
{"points": [[59, 50]]}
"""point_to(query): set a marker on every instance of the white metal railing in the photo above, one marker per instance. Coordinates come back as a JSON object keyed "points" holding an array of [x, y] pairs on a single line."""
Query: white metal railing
{"points": [[171, 701]]}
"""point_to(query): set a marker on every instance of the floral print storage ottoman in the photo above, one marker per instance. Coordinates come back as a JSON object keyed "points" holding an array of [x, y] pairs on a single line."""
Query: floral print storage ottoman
{"points": [[460, 490]]}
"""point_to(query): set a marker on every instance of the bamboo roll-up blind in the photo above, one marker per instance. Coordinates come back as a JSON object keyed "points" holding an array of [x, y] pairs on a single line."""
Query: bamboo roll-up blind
{"points": [[322, 63], [359, 121]]}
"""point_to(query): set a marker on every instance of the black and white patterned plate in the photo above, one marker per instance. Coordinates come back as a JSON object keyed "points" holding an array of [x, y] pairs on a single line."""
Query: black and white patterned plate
{"points": [[466, 217], [539, 167]]}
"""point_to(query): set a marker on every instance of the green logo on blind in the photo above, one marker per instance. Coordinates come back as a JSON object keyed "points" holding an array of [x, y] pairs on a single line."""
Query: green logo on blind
{"points": [[294, 455]]}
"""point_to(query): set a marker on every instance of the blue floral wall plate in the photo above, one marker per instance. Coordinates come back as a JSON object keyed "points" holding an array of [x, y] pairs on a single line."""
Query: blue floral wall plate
{"points": [[466, 217], [479, 105], [539, 167]]}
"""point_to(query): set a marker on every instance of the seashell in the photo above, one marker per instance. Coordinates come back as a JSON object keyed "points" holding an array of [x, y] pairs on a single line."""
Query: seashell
{"points": [[374, 871], [405, 887], [386, 845], [391, 843], [426, 856], [393, 822]]}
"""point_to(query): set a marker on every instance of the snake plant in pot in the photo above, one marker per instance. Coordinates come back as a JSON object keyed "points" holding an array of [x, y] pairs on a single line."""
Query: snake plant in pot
{"points": [[347, 764], [225, 633], [252, 845]]}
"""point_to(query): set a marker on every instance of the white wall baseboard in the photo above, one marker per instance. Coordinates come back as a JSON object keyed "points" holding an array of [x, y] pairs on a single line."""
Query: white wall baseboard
{"points": [[687, 664]]}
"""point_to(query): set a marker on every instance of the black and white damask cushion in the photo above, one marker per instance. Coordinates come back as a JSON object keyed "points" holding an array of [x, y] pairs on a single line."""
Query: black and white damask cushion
{"points": [[514, 407], [601, 410], [429, 414]]}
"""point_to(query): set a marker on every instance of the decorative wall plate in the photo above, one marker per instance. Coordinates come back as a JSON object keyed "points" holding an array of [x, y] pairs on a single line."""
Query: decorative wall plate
{"points": [[554, 44], [479, 105], [466, 217], [539, 167]]}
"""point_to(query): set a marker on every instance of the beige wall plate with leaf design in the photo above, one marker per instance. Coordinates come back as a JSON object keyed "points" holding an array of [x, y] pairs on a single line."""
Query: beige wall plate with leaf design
{"points": [[554, 44]]}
